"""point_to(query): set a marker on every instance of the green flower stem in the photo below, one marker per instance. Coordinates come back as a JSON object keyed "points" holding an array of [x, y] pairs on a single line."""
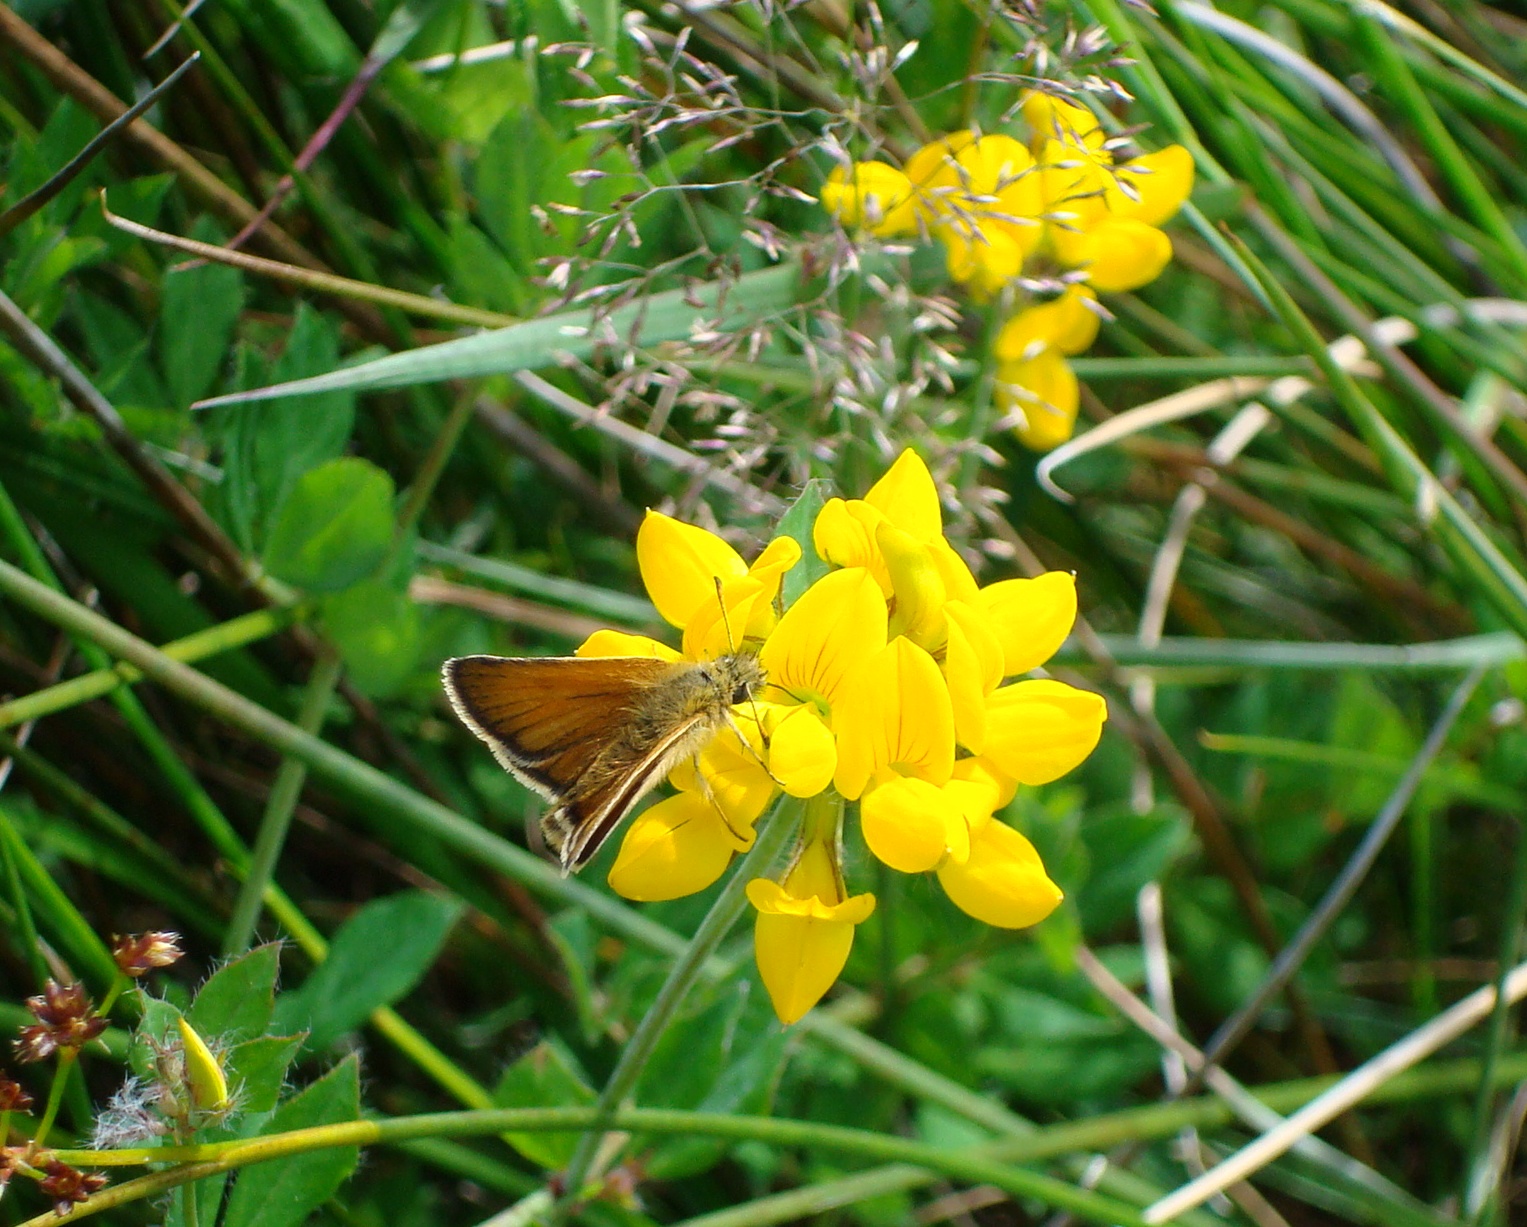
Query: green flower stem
{"points": [[277, 818], [224, 637], [776, 829], [67, 1057], [917, 1163]]}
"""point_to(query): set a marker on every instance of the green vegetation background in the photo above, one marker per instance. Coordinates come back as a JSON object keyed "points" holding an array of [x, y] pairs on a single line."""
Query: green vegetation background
{"points": [[321, 555]]}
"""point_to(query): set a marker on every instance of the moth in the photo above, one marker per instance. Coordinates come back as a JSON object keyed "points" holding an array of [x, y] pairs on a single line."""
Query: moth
{"points": [[593, 735]]}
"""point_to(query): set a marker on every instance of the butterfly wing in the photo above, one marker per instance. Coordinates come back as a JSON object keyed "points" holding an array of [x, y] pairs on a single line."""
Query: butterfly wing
{"points": [[546, 718], [577, 828]]}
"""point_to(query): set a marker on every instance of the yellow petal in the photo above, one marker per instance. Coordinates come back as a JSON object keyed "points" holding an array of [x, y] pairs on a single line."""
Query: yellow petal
{"points": [[982, 770], [204, 1072], [735, 776], [802, 753], [933, 165], [1038, 730], [872, 196], [1118, 254], [720, 624], [908, 824], [1043, 392], [907, 497], [844, 535], [894, 712], [981, 634], [680, 565], [1055, 119], [836, 624], [619, 643], [959, 583], [1030, 617], [1003, 882], [1073, 184], [771, 564], [1065, 323], [672, 849], [975, 797], [986, 256], [965, 676], [916, 585], [1151, 188], [799, 959]]}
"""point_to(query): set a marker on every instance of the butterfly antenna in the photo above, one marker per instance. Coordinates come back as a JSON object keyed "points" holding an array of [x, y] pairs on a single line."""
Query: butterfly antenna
{"points": [[758, 723]]}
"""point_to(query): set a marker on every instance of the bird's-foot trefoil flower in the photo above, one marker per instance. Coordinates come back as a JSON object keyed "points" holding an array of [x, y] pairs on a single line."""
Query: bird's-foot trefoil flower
{"points": [[894, 693], [1054, 202]]}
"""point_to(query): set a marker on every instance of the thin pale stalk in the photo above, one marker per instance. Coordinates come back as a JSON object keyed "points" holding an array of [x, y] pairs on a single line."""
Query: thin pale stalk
{"points": [[1498, 1032]]}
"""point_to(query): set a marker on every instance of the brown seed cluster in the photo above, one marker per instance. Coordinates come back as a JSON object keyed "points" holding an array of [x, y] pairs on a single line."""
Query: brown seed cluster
{"points": [[13, 1096], [68, 1186], [66, 1019], [137, 954]]}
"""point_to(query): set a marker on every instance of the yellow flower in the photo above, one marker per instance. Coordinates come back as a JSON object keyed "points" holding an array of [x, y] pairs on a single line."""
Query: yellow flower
{"points": [[886, 685], [205, 1081], [700, 583], [1066, 323], [1119, 253], [871, 196], [675, 848], [983, 200], [829, 632], [1042, 395], [1054, 119], [1035, 384], [1002, 882], [895, 715], [1030, 617], [1038, 730], [913, 826], [896, 532], [805, 928]]}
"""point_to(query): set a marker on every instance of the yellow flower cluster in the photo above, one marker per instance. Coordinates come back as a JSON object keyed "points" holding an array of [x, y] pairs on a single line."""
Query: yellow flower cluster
{"points": [[886, 686], [995, 204]]}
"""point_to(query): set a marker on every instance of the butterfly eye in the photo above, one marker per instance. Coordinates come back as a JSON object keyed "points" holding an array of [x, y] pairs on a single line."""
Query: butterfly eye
{"points": [[741, 695]]}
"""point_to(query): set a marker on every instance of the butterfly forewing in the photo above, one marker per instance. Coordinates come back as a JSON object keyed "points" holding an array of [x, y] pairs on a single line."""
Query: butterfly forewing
{"points": [[545, 718]]}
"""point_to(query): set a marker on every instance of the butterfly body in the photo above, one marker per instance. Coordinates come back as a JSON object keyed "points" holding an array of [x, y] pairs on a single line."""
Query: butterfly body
{"points": [[595, 734]]}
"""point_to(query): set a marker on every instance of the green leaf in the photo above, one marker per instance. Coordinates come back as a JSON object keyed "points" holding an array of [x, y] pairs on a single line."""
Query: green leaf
{"points": [[335, 528], [237, 1000], [545, 1077], [284, 1193], [376, 629], [267, 450], [256, 1070], [377, 956], [668, 316], [797, 523], [1127, 850], [197, 313]]}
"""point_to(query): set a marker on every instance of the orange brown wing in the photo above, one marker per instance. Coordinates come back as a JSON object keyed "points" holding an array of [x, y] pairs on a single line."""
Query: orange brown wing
{"points": [[585, 819], [546, 717]]}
